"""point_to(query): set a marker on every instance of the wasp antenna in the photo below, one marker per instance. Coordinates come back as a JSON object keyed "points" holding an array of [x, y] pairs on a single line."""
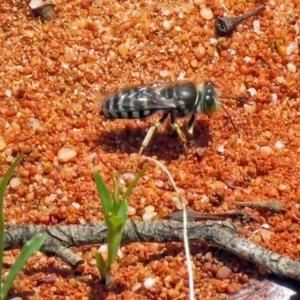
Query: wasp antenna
{"points": [[231, 121], [240, 99]]}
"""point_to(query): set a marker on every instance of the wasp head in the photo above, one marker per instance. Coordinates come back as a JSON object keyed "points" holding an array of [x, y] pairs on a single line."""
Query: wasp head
{"points": [[208, 100]]}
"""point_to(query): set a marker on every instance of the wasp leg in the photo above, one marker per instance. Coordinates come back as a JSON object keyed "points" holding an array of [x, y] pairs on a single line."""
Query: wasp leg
{"points": [[151, 131], [190, 125], [179, 131]]}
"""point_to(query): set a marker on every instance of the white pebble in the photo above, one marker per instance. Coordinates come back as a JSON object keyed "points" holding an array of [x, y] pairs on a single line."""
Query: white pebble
{"points": [[15, 182], [280, 79], [252, 47], [167, 25], [159, 183], [66, 154], [279, 145], [291, 67], [164, 73], [206, 13], [35, 123], [274, 98], [181, 75], [102, 248], [265, 226], [35, 3], [256, 25], [204, 199], [149, 283], [8, 93], [265, 150], [220, 149], [213, 41], [136, 287], [52, 197], [251, 109], [252, 91], [297, 28], [76, 205], [128, 175], [247, 59], [179, 205], [131, 210], [149, 213], [291, 47], [120, 253], [166, 12], [2, 143]]}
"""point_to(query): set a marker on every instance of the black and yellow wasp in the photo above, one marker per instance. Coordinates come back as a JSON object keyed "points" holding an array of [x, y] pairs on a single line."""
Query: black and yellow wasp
{"points": [[177, 99]]}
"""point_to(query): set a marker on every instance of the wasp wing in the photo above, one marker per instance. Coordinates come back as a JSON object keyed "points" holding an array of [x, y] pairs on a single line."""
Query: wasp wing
{"points": [[145, 97]]}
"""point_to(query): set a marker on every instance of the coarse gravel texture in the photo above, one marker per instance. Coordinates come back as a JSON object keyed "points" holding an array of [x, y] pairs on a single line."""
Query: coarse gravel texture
{"points": [[53, 77]]}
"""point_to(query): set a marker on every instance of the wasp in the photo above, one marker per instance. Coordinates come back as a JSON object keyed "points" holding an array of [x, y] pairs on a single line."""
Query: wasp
{"points": [[177, 99]]}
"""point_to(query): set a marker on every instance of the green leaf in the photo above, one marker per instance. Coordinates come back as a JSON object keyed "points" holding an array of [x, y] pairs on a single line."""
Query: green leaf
{"points": [[7, 176], [3, 185], [115, 234], [104, 195], [101, 265], [122, 210], [28, 250], [115, 224], [116, 193], [133, 183]]}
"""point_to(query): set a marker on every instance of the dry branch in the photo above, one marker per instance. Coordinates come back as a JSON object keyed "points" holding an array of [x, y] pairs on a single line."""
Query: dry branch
{"points": [[221, 234]]}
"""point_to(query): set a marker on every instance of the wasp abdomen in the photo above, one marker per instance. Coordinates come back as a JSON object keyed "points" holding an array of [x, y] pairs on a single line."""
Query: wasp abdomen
{"points": [[130, 103]]}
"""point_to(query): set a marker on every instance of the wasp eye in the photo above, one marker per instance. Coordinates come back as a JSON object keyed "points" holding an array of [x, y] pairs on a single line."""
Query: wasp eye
{"points": [[208, 103]]}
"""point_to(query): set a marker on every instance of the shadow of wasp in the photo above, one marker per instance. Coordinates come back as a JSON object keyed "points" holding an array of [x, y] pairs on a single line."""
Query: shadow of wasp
{"points": [[174, 99]]}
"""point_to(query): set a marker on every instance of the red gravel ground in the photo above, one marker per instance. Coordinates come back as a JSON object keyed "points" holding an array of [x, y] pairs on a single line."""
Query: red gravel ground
{"points": [[53, 77]]}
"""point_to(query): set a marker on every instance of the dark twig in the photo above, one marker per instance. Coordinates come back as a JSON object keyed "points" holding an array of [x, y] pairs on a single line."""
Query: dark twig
{"points": [[224, 26], [193, 215], [272, 206]]}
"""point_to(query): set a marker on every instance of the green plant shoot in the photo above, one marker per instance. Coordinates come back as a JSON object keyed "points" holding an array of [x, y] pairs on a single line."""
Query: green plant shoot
{"points": [[115, 211], [29, 248]]}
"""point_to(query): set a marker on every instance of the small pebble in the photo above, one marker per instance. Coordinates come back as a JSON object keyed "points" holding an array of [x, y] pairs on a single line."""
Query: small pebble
{"points": [[2, 143], [102, 248], [292, 67], [15, 182], [223, 273], [149, 283], [279, 145], [35, 123], [76, 205], [206, 13], [73, 282], [251, 109], [199, 52], [167, 25], [136, 287], [266, 150], [66, 154], [159, 183], [131, 210], [149, 213]]}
